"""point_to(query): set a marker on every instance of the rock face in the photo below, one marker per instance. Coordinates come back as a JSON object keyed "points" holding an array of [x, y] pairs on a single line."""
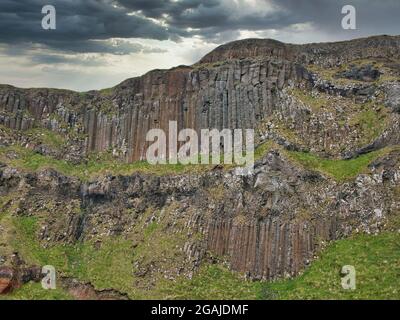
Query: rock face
{"points": [[6, 280], [364, 73], [269, 224], [393, 97], [270, 248], [13, 278], [236, 86]]}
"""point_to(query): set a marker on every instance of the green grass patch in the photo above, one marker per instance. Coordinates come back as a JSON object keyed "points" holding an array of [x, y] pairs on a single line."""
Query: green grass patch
{"points": [[340, 170], [96, 165], [105, 267], [263, 149], [315, 102], [47, 137], [108, 265], [377, 263], [371, 123], [34, 291], [216, 283], [106, 92], [376, 259]]}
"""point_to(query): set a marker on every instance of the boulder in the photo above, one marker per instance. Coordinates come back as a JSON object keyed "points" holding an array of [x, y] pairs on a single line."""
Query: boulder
{"points": [[7, 280], [363, 73], [13, 277], [393, 97]]}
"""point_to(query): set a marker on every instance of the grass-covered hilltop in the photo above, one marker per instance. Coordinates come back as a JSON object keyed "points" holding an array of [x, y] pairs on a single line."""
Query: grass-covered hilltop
{"points": [[76, 192]]}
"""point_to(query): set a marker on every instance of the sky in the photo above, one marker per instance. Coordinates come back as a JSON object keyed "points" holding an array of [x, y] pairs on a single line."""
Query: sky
{"points": [[99, 43]]}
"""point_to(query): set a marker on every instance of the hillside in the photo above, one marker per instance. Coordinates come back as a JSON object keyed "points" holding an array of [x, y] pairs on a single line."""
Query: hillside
{"points": [[76, 193]]}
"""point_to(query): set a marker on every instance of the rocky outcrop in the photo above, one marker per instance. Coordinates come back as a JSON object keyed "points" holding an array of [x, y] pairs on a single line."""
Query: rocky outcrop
{"points": [[235, 86], [364, 73], [86, 291], [393, 97], [270, 248], [12, 278], [268, 225], [7, 282]]}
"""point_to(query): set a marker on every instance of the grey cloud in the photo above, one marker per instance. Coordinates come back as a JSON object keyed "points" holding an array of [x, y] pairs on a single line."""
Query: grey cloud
{"points": [[158, 8], [374, 17], [214, 20], [48, 59], [78, 23], [208, 17]]}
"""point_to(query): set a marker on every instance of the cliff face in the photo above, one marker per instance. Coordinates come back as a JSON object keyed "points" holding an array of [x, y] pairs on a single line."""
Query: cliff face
{"points": [[312, 107], [269, 225], [238, 95], [238, 85]]}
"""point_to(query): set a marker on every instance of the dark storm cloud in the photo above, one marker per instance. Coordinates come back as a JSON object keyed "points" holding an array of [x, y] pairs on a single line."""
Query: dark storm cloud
{"points": [[373, 17], [211, 18], [78, 22], [47, 59], [208, 17], [158, 8]]}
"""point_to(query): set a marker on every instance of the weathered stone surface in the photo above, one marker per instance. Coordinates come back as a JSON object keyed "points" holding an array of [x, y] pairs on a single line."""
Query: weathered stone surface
{"points": [[86, 291], [13, 277], [363, 73], [393, 97], [7, 280]]}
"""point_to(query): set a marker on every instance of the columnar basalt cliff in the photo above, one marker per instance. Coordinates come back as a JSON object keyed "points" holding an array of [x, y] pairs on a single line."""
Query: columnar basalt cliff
{"points": [[327, 121], [237, 86]]}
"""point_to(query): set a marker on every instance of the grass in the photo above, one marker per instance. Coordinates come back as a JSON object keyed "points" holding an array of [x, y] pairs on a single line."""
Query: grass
{"points": [[97, 165], [106, 92], [375, 258], [371, 123], [263, 149], [315, 102], [110, 265], [214, 282], [371, 120], [366, 121], [340, 170], [34, 291], [100, 164], [47, 137], [105, 267]]}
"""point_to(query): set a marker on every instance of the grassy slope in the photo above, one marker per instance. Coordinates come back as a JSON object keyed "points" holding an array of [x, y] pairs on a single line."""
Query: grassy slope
{"points": [[376, 259], [34, 291], [340, 170], [97, 165], [101, 165]]}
